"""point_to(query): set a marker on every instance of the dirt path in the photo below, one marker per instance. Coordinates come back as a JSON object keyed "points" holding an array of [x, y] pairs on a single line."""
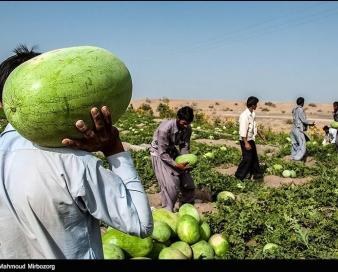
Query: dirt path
{"points": [[270, 181], [268, 150], [202, 207], [309, 161], [277, 182]]}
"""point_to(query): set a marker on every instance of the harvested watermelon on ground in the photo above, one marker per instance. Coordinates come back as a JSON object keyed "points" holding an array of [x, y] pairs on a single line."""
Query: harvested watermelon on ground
{"points": [[219, 244], [133, 245], [163, 215], [161, 231], [183, 247], [189, 209], [188, 229]]}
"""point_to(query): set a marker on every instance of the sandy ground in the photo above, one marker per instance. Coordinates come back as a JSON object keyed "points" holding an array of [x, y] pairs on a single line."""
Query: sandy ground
{"points": [[274, 115]]}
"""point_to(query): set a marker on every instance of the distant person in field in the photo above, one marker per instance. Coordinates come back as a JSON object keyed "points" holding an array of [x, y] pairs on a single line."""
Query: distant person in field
{"points": [[298, 136], [335, 118], [171, 176], [249, 165], [52, 200], [330, 135]]}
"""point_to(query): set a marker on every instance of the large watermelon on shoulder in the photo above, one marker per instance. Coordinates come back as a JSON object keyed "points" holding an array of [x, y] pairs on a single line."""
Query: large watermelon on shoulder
{"points": [[44, 96]]}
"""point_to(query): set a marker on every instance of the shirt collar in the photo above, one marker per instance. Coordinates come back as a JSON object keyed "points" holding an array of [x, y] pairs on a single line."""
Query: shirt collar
{"points": [[175, 126], [8, 128], [249, 112]]}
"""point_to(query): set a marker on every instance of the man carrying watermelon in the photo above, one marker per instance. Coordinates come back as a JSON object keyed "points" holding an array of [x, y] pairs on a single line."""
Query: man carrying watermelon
{"points": [[53, 199], [298, 135], [249, 165], [173, 177]]}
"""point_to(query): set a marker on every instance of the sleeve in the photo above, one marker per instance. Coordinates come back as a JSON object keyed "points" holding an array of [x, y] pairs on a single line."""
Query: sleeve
{"points": [[185, 147], [163, 145], [243, 125], [117, 196], [302, 118]]}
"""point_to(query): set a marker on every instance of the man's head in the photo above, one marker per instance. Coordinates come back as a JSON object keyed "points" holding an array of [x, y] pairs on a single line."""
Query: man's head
{"points": [[300, 101], [326, 129], [185, 116], [22, 54], [335, 106], [252, 102]]}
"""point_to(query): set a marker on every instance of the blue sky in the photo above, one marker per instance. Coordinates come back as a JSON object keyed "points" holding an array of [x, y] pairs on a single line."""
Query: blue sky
{"points": [[195, 49]]}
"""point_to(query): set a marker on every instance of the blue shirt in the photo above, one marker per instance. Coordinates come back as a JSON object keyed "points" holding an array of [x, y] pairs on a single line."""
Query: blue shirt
{"points": [[52, 200]]}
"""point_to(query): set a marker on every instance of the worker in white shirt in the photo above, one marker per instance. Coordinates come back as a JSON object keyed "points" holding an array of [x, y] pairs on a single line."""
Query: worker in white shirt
{"points": [[249, 165], [330, 135]]}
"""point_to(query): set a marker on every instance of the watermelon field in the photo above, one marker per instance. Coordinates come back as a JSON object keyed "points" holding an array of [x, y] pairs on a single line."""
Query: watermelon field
{"points": [[290, 216]]}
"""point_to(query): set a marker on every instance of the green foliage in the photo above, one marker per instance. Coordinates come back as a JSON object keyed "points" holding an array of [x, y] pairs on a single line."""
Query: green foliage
{"points": [[165, 111]]}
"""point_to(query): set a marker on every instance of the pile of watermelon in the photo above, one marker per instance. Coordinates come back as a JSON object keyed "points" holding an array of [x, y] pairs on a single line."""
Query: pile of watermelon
{"points": [[183, 235]]}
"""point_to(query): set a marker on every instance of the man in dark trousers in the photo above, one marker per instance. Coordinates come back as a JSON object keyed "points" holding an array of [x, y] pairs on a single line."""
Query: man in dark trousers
{"points": [[171, 176], [249, 165]]}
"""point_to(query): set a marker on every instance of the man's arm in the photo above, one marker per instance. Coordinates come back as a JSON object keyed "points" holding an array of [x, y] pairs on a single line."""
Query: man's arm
{"points": [[302, 118], [243, 131], [114, 196]]}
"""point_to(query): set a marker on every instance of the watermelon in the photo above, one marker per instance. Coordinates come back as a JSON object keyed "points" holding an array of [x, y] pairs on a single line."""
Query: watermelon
{"points": [[191, 159], [112, 252], [286, 173], [155, 251], [188, 229], [293, 173], [190, 210], [277, 167], [334, 124], [183, 247], [46, 95], [219, 244], [170, 253], [202, 250], [205, 231], [209, 155], [270, 248], [161, 231], [163, 215], [133, 245], [223, 148], [140, 258], [225, 197]]}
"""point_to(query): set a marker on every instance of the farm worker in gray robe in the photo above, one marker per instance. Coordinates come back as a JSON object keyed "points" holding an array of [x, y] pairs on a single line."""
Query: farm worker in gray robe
{"points": [[298, 136], [171, 176], [335, 118]]}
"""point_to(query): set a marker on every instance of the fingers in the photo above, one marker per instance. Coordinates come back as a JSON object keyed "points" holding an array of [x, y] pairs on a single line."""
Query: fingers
{"points": [[97, 118], [71, 143], [86, 131], [106, 115]]}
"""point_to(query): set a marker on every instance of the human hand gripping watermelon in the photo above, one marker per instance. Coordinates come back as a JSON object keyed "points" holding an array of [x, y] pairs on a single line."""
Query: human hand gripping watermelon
{"points": [[103, 137]]}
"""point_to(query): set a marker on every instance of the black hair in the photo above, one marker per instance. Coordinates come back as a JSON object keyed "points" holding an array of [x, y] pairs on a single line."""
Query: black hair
{"points": [[300, 101], [335, 103], [325, 128], [252, 101], [186, 113], [22, 54]]}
